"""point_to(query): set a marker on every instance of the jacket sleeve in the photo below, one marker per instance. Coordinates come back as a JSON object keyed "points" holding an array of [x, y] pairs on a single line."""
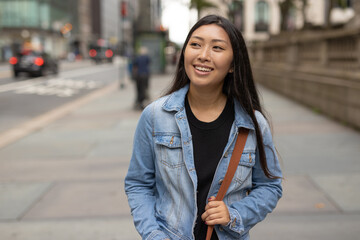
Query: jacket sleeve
{"points": [[265, 192], [140, 181]]}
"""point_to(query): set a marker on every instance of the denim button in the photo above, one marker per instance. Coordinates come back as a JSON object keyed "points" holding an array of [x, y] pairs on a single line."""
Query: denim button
{"points": [[226, 154], [221, 229], [220, 181]]}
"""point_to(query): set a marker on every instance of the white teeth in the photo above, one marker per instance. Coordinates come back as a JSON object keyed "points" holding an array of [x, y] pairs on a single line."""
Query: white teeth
{"points": [[203, 69]]}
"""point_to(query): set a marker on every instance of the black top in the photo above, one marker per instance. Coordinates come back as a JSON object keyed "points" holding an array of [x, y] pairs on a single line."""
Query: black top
{"points": [[209, 142]]}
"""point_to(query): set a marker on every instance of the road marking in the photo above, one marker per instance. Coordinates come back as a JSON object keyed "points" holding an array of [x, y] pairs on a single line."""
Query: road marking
{"points": [[48, 91], [59, 87], [14, 134], [75, 73], [13, 86]]}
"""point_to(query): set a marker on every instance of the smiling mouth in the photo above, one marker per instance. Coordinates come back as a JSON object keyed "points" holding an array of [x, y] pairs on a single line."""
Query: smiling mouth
{"points": [[203, 69]]}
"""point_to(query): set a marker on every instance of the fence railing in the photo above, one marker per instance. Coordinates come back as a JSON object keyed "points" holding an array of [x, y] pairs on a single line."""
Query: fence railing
{"points": [[320, 69]]}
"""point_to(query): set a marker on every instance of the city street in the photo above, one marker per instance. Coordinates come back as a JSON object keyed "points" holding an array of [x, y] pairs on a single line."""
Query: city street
{"points": [[24, 98], [66, 138], [64, 180]]}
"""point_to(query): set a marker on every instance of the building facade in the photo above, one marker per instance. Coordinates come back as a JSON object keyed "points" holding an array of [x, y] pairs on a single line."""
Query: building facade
{"points": [[258, 19], [129, 13], [317, 67], [37, 24], [149, 15], [106, 22], [85, 32], [150, 33], [65, 28]]}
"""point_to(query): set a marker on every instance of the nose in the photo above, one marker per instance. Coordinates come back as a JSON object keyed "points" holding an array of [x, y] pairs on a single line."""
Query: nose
{"points": [[204, 54]]}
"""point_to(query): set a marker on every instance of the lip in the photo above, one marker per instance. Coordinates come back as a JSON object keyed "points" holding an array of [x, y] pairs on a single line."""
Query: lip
{"points": [[202, 72]]}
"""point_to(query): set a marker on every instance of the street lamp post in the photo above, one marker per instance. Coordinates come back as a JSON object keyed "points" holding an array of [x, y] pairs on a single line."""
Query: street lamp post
{"points": [[122, 68]]}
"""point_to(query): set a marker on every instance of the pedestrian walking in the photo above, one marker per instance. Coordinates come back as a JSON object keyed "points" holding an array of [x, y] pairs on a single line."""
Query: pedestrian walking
{"points": [[141, 74], [177, 183]]}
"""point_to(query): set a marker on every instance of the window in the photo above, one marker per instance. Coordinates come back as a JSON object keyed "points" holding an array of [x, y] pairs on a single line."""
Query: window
{"points": [[261, 16], [237, 14], [343, 4], [19, 13]]}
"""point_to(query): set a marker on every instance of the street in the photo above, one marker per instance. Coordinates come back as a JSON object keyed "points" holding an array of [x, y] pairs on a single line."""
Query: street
{"points": [[64, 180], [24, 98]]}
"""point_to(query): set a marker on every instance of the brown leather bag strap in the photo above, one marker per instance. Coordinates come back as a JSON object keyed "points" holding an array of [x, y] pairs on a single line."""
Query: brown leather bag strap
{"points": [[234, 162]]}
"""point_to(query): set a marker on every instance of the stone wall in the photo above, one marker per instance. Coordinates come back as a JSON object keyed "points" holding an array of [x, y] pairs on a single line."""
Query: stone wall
{"points": [[320, 69]]}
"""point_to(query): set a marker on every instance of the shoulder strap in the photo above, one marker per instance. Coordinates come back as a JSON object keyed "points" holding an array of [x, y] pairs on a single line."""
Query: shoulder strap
{"points": [[234, 162]]}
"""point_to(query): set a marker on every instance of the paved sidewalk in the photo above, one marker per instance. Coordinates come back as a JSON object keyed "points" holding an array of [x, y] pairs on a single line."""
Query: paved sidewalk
{"points": [[65, 181]]}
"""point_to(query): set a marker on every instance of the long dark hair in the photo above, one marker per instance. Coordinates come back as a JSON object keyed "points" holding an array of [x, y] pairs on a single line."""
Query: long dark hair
{"points": [[239, 84]]}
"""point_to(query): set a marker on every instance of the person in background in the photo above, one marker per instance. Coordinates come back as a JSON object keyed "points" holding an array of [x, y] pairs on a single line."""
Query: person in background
{"points": [[184, 141], [141, 74]]}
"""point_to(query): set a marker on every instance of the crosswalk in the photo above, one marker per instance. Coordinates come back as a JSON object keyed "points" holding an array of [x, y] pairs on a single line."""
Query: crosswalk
{"points": [[59, 87], [66, 84]]}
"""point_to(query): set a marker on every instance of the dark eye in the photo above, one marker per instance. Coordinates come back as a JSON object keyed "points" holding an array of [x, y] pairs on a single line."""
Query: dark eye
{"points": [[194, 44], [218, 48]]}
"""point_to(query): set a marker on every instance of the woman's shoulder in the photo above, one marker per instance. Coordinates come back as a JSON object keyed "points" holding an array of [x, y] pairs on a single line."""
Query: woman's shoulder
{"points": [[262, 121], [155, 107], [158, 117], [265, 128], [260, 117]]}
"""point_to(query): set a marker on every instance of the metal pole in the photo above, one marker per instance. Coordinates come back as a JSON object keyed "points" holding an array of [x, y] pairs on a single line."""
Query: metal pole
{"points": [[121, 74], [121, 61]]}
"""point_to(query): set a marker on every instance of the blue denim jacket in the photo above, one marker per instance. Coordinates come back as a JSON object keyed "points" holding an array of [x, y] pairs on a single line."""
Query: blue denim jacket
{"points": [[161, 181]]}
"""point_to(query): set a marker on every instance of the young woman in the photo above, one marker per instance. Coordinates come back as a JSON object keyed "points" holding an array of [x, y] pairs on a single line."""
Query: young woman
{"points": [[184, 142]]}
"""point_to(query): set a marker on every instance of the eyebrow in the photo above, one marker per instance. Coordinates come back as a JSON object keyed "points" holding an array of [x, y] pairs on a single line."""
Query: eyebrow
{"points": [[213, 40]]}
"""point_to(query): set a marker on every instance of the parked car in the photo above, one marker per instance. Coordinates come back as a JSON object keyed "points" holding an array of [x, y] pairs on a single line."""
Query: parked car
{"points": [[101, 54], [34, 63]]}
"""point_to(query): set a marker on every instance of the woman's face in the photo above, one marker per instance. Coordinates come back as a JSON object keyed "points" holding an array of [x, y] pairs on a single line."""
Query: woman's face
{"points": [[208, 56]]}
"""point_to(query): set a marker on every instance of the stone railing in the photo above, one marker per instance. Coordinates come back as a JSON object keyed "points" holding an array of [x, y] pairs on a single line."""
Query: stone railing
{"points": [[319, 69]]}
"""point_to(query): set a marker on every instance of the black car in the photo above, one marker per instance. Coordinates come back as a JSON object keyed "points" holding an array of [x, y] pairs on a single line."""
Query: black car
{"points": [[101, 54], [34, 63]]}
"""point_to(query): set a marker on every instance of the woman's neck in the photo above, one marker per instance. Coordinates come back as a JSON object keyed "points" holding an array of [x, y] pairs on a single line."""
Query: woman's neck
{"points": [[206, 105]]}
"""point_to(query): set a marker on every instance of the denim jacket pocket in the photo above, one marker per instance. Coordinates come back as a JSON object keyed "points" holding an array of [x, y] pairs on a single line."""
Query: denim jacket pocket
{"points": [[170, 164], [169, 150], [242, 180], [244, 170]]}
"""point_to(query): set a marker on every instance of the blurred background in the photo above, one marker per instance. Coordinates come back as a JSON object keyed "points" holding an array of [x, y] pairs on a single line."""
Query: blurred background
{"points": [[67, 116]]}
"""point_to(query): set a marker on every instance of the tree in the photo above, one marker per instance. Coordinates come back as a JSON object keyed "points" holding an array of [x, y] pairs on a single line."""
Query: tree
{"points": [[200, 5]]}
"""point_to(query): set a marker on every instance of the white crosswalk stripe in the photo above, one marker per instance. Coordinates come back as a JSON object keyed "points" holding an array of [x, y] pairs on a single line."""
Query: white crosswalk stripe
{"points": [[59, 87]]}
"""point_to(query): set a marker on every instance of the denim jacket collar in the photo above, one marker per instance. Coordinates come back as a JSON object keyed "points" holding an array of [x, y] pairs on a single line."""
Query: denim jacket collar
{"points": [[176, 102]]}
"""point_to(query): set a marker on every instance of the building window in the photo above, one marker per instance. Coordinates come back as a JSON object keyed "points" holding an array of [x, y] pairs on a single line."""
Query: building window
{"points": [[19, 13], [261, 16], [343, 4], [237, 14]]}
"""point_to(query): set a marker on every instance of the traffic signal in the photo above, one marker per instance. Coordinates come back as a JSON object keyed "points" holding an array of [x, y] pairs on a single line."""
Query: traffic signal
{"points": [[124, 10]]}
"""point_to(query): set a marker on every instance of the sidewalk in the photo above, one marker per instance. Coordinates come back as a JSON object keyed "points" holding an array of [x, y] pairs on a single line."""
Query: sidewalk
{"points": [[65, 181]]}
